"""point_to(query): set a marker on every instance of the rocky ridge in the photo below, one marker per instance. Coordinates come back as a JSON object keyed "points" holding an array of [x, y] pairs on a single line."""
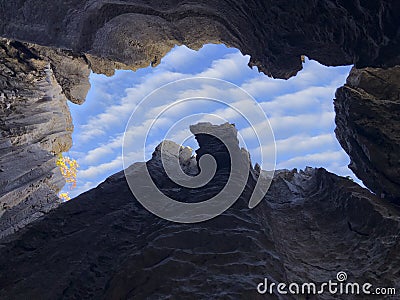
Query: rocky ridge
{"points": [[75, 37], [104, 244]]}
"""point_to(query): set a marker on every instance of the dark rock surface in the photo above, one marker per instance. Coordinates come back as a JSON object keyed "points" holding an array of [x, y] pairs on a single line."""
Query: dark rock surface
{"points": [[104, 244], [79, 36], [368, 127], [133, 34], [36, 126]]}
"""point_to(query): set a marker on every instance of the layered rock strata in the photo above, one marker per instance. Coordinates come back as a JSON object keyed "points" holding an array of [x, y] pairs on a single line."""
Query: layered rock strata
{"points": [[79, 36], [35, 127], [104, 244], [368, 128]]}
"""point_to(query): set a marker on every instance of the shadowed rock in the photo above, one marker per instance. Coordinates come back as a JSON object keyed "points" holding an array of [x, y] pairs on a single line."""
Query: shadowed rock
{"points": [[35, 126], [135, 34], [104, 244], [368, 128], [78, 36]]}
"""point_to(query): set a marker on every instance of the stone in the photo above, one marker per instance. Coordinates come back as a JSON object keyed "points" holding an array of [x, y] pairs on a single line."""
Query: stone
{"points": [[104, 244], [368, 128], [35, 127], [67, 39], [276, 34]]}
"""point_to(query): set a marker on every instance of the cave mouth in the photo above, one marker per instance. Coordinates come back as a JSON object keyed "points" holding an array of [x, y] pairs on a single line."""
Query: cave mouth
{"points": [[300, 111]]}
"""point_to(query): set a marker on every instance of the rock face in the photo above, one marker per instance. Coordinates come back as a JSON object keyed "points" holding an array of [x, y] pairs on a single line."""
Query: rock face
{"points": [[35, 126], [133, 34], [368, 127], [79, 36], [104, 244]]}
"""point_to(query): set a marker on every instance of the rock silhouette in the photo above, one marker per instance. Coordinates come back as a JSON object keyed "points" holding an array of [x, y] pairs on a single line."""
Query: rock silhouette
{"points": [[104, 244]]}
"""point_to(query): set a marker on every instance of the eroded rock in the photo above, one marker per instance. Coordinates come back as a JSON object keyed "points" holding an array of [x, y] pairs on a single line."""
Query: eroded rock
{"points": [[104, 244], [76, 36], [35, 126], [135, 34], [368, 127]]}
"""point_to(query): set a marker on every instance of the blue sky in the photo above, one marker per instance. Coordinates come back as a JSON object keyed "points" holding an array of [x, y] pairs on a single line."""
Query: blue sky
{"points": [[300, 111]]}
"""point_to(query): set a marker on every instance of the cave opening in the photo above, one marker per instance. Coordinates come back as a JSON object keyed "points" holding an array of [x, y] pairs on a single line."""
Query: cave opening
{"points": [[312, 227], [300, 111]]}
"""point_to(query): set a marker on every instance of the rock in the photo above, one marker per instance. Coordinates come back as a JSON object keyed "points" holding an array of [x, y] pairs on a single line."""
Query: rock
{"points": [[210, 175], [174, 152], [368, 128], [216, 140], [78, 36], [104, 244], [71, 71], [135, 34], [35, 126]]}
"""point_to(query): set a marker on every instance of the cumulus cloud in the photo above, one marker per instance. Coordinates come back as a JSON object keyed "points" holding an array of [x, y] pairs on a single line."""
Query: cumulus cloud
{"points": [[314, 160], [96, 154], [300, 112], [117, 115], [306, 100], [301, 143], [93, 171], [229, 68], [178, 57]]}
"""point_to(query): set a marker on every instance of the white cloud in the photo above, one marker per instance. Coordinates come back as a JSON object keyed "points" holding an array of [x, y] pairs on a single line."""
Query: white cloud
{"points": [[262, 86], [301, 143], [94, 171], [300, 112], [314, 160], [304, 100], [229, 68], [96, 154], [118, 114], [286, 126], [178, 57]]}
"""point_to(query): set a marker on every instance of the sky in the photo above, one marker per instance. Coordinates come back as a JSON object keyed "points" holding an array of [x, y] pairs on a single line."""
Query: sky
{"points": [[300, 112]]}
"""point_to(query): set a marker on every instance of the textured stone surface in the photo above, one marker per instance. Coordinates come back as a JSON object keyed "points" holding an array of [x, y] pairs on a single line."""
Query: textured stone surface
{"points": [[274, 33], [368, 127], [35, 126], [173, 152], [71, 71], [104, 244], [311, 224], [77, 36]]}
